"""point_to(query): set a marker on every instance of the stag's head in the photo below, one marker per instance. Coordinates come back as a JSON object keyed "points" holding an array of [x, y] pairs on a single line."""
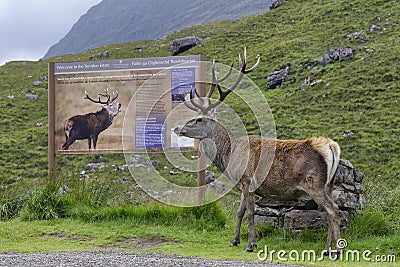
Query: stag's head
{"points": [[108, 104], [204, 125]]}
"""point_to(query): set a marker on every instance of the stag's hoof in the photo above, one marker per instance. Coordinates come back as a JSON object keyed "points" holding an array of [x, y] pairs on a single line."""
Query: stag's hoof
{"points": [[251, 247], [235, 243]]}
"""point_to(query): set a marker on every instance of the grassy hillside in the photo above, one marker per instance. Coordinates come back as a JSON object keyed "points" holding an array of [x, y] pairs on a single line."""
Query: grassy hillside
{"points": [[361, 94]]}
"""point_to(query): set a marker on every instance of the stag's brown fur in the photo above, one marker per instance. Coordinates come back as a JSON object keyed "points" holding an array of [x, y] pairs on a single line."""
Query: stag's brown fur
{"points": [[297, 167]]}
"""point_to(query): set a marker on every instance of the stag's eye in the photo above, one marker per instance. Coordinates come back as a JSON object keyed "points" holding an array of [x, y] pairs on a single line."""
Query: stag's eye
{"points": [[199, 120]]}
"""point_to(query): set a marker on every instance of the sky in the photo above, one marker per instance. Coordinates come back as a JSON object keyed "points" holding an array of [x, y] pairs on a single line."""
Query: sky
{"points": [[28, 28]]}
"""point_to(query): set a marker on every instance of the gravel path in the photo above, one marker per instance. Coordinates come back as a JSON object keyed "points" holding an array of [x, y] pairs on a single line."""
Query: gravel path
{"points": [[119, 259]]}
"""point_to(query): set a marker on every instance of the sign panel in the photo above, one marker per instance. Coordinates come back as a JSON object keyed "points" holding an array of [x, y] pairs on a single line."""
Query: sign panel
{"points": [[129, 105]]}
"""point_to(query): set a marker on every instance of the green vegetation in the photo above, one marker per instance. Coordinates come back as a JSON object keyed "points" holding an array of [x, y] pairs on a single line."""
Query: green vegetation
{"points": [[361, 95]]}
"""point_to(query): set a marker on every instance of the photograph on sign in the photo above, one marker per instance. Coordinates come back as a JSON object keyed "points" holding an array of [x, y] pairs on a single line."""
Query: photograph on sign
{"points": [[116, 105]]}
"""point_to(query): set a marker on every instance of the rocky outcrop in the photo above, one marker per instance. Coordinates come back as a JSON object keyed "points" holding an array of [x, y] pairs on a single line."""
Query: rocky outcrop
{"points": [[181, 45], [336, 54], [305, 213], [276, 78]]}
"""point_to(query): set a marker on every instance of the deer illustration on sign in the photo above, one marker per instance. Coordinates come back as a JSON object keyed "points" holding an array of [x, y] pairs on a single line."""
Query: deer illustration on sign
{"points": [[89, 126], [294, 167]]}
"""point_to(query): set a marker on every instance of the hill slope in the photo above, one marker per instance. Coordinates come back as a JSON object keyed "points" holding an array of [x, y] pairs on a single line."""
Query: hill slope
{"points": [[119, 21], [361, 94]]}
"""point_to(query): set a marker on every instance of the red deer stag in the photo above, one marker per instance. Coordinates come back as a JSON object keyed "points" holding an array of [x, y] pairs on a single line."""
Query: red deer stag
{"points": [[297, 167], [90, 125]]}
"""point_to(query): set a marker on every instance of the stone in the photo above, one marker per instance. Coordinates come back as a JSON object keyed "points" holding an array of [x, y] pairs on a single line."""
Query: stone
{"points": [[94, 166], [306, 203], [312, 219], [267, 212], [263, 202], [31, 96], [276, 78], [336, 54], [354, 35], [273, 221], [37, 83], [276, 4], [374, 28], [181, 45], [345, 199], [359, 188], [153, 162]]}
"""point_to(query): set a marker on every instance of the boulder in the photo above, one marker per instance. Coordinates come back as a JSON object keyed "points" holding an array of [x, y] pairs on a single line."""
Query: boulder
{"points": [[276, 78], [181, 45], [276, 3], [37, 83], [336, 54], [31, 96], [311, 219]]}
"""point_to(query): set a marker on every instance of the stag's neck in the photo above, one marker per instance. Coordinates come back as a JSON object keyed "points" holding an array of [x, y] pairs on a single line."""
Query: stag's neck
{"points": [[107, 118], [218, 148]]}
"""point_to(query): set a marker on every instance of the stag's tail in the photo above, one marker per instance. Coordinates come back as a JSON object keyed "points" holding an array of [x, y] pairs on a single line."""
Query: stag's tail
{"points": [[330, 151]]}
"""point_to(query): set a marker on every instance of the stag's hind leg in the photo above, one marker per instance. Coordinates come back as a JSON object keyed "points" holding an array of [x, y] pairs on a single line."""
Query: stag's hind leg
{"points": [[322, 197], [250, 221]]}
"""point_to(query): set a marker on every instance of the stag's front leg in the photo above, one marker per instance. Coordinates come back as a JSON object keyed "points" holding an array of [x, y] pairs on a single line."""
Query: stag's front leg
{"points": [[250, 217], [240, 214], [90, 143]]}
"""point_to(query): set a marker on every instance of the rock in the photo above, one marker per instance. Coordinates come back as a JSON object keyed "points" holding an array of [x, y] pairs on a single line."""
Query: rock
{"points": [[31, 96], [37, 83], [312, 219], [374, 28], [124, 180], [94, 166], [273, 221], [217, 187], [10, 97], [276, 78], [353, 36], [315, 83], [276, 3], [263, 202], [122, 168], [134, 159], [336, 54], [345, 199], [305, 83], [267, 212], [359, 188], [181, 45], [210, 177], [153, 162], [306, 203]]}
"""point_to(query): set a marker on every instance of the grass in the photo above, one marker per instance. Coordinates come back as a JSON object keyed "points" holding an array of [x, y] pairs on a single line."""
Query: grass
{"points": [[360, 94]]}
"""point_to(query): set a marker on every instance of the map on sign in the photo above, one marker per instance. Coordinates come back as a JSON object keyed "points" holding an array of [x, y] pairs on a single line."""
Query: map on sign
{"points": [[127, 105]]}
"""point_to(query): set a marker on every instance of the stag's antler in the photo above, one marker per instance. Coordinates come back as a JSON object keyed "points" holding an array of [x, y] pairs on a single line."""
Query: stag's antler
{"points": [[205, 108], [108, 102]]}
